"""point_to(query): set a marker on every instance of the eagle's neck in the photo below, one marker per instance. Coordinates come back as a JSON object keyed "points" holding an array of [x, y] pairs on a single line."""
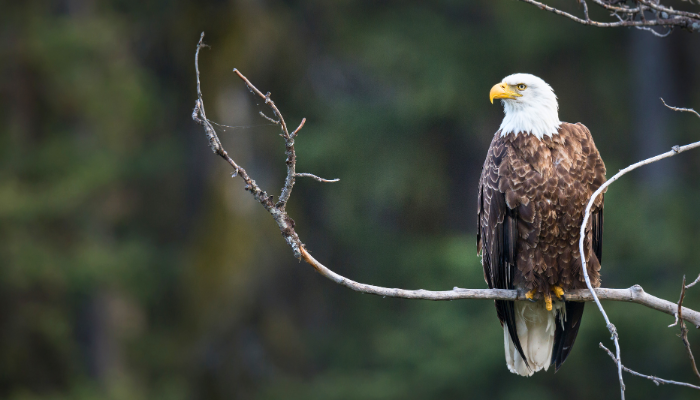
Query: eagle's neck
{"points": [[539, 118]]}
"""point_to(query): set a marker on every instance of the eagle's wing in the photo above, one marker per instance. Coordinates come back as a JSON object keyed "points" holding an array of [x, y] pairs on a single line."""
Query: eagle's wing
{"points": [[598, 233], [565, 337], [567, 330], [497, 233]]}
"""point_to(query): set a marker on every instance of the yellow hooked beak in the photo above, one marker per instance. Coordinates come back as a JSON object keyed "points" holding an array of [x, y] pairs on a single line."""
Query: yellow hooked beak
{"points": [[503, 91]]}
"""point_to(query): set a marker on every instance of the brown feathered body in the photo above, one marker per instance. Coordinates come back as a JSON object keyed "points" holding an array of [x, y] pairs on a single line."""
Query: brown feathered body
{"points": [[532, 196]]}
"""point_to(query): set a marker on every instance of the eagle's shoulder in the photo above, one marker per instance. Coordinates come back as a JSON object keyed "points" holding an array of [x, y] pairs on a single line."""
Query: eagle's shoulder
{"points": [[577, 132], [590, 166], [494, 158]]}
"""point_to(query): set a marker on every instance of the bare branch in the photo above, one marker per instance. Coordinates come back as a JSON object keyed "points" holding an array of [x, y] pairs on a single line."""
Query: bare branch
{"points": [[274, 121], [586, 217], [653, 32], [285, 223], [654, 379], [633, 17], [301, 125], [288, 144], [675, 322], [694, 282], [623, 8], [669, 11], [635, 294], [306, 175], [690, 110], [684, 330]]}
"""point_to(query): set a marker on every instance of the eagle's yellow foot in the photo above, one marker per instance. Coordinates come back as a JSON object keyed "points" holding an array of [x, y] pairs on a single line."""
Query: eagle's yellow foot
{"points": [[531, 295], [558, 292], [548, 301]]}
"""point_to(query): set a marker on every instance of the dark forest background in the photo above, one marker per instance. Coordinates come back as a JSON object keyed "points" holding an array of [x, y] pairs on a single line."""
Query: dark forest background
{"points": [[133, 267]]}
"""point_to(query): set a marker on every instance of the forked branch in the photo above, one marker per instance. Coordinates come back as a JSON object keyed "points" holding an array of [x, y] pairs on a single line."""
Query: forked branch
{"points": [[684, 329], [657, 381], [613, 331]]}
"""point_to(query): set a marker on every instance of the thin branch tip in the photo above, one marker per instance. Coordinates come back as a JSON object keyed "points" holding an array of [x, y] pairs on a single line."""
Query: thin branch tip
{"points": [[274, 121], [301, 125], [317, 178], [690, 110], [694, 282], [201, 42]]}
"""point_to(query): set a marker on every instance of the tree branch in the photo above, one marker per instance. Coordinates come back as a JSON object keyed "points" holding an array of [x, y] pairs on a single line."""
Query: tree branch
{"points": [[633, 17], [694, 282], [654, 379], [635, 294], [288, 142], [690, 110], [684, 330], [582, 235], [316, 178], [285, 223]]}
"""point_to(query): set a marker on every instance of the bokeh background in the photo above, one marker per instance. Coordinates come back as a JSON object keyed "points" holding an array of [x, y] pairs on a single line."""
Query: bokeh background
{"points": [[132, 266]]}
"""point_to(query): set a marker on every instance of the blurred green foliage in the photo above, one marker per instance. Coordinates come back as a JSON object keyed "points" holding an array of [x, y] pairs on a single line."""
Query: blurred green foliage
{"points": [[133, 267]]}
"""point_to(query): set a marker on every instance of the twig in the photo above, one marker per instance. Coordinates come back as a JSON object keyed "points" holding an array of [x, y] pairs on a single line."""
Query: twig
{"points": [[609, 325], [694, 282], [684, 330], [585, 10], [288, 144], [301, 125], [655, 33], [675, 315], [285, 223], [657, 381], [690, 110], [307, 175], [274, 121], [624, 9]]}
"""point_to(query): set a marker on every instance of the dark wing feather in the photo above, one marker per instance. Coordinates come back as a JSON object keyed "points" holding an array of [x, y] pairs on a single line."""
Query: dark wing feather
{"points": [[565, 337], [506, 236], [497, 234], [594, 175], [598, 233]]}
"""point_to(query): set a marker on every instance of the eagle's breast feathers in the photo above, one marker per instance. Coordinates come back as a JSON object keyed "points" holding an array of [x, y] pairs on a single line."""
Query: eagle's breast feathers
{"points": [[546, 184]]}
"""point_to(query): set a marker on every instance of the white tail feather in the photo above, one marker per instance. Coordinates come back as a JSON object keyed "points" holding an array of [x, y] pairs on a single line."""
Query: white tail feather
{"points": [[535, 326]]}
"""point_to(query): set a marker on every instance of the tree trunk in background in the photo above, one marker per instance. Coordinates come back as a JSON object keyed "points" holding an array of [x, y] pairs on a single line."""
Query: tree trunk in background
{"points": [[652, 78]]}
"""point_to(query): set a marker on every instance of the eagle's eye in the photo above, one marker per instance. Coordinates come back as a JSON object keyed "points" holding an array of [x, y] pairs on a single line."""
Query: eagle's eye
{"points": [[522, 86]]}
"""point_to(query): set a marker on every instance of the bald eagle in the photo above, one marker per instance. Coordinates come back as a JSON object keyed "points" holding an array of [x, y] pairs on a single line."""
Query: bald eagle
{"points": [[538, 176]]}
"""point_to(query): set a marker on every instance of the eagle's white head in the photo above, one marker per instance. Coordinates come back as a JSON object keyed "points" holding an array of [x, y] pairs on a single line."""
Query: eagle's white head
{"points": [[530, 105]]}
